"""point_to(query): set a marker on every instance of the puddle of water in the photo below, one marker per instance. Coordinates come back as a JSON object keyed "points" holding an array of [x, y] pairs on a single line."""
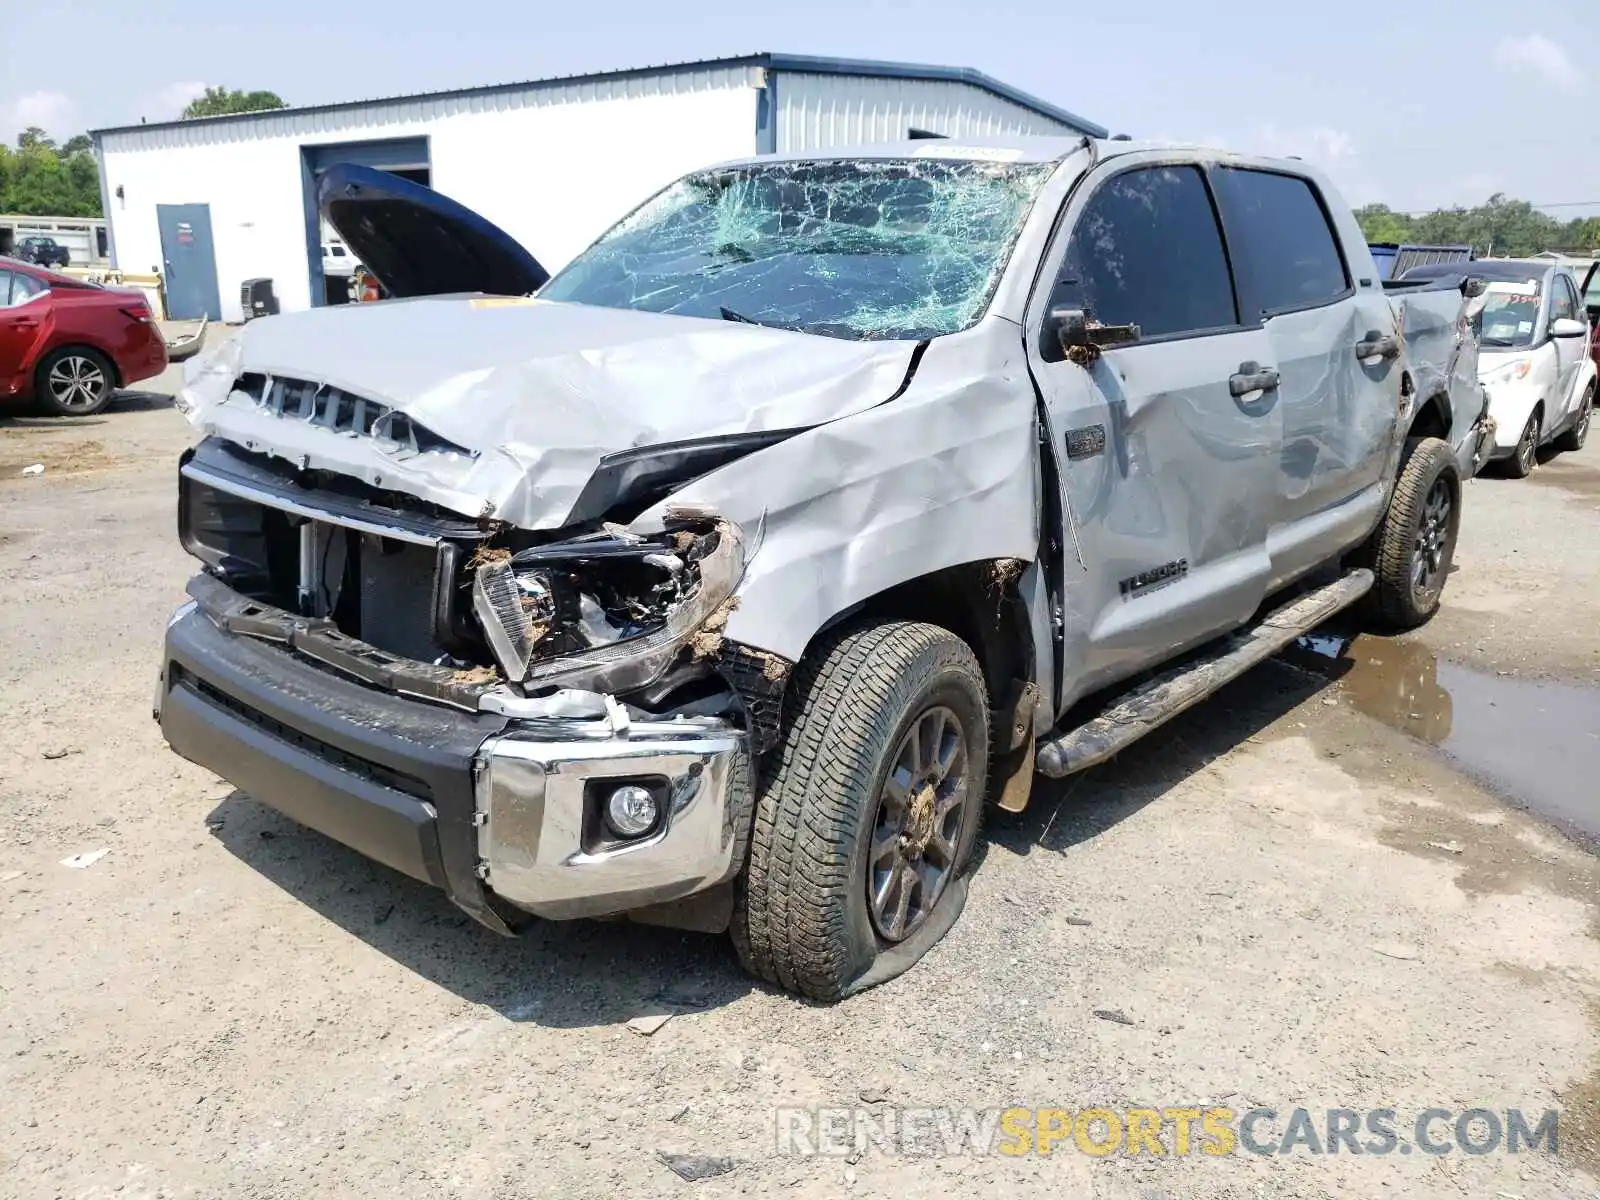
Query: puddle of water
{"points": [[1536, 743]]}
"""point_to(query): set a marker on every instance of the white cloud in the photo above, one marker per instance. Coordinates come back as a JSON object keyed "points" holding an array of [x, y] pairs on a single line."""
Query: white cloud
{"points": [[1538, 55], [168, 104], [51, 111], [1320, 144]]}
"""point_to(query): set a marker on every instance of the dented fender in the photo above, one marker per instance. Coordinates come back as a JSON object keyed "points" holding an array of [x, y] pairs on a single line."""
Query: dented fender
{"points": [[945, 474]]}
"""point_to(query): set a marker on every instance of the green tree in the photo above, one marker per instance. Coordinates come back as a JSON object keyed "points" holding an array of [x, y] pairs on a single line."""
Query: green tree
{"points": [[219, 101], [42, 179], [1380, 223]]}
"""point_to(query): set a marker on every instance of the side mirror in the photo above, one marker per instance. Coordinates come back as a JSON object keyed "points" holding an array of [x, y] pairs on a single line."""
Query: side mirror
{"points": [[1474, 286], [1082, 338], [1566, 327], [1069, 327]]}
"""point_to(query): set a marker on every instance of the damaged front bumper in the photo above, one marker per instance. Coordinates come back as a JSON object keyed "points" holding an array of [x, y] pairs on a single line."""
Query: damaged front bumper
{"points": [[505, 814]]}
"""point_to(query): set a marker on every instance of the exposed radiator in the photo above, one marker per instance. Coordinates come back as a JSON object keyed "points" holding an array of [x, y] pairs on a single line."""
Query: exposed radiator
{"points": [[397, 598]]}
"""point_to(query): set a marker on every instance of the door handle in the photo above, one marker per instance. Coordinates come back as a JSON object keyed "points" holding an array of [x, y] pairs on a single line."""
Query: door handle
{"points": [[25, 323], [1253, 377], [1378, 345]]}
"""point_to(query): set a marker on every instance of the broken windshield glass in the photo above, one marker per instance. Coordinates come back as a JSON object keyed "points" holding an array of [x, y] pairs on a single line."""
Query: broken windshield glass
{"points": [[866, 248]]}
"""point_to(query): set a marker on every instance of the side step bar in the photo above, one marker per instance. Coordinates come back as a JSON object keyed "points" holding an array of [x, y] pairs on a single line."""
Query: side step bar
{"points": [[1164, 696]]}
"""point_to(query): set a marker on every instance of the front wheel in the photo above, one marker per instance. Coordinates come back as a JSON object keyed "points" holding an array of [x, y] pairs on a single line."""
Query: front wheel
{"points": [[1573, 439], [73, 382], [1411, 551], [866, 817], [1520, 464]]}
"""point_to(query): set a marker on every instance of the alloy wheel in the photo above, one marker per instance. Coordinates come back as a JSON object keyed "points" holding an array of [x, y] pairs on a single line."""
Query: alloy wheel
{"points": [[76, 383], [917, 826], [1431, 547], [1529, 445]]}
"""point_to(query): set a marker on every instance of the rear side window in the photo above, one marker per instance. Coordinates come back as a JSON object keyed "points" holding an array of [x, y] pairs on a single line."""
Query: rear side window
{"points": [[1147, 251], [1283, 244]]}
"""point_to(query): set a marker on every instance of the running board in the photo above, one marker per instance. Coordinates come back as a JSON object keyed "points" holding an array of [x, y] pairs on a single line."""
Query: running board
{"points": [[1163, 697]]}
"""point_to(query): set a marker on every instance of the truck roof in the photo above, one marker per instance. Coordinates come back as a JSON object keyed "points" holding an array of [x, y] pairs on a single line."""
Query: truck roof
{"points": [[1015, 148]]}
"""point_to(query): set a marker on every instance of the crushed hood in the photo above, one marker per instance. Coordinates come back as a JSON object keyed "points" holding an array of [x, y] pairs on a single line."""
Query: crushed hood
{"points": [[528, 396]]}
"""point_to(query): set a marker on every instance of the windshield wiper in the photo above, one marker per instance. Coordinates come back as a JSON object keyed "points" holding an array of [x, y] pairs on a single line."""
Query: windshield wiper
{"points": [[729, 315]]}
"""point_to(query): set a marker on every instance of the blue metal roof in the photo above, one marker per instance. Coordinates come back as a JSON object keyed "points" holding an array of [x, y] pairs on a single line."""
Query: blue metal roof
{"points": [[774, 62]]}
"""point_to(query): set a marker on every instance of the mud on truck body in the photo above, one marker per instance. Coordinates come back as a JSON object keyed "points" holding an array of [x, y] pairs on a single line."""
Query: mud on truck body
{"points": [[721, 580]]}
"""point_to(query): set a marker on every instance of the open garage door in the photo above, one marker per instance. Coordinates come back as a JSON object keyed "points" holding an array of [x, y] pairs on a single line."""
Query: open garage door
{"points": [[330, 261]]}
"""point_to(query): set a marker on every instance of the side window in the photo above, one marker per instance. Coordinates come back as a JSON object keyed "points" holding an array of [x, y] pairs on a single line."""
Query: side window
{"points": [[1284, 247], [23, 287], [1563, 300], [1147, 251], [5, 288]]}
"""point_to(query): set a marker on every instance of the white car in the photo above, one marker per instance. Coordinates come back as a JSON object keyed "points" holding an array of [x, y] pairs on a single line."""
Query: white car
{"points": [[337, 259], [1533, 360]]}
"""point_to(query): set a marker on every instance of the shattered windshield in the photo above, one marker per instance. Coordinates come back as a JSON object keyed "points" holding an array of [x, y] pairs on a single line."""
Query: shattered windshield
{"points": [[867, 248]]}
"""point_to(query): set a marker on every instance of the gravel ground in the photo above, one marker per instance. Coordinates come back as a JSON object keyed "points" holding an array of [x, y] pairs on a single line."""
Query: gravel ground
{"points": [[1278, 901]]}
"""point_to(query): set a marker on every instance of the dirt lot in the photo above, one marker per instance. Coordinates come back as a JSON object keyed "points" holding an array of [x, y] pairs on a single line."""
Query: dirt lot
{"points": [[1296, 896]]}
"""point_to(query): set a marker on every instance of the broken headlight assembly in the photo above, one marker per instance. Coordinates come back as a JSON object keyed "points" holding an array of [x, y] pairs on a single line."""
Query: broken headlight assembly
{"points": [[608, 612]]}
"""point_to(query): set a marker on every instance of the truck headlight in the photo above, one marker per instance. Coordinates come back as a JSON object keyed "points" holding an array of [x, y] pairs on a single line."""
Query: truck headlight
{"points": [[609, 612]]}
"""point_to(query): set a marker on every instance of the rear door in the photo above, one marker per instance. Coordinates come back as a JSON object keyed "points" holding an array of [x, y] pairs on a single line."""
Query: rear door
{"points": [[1168, 475], [1336, 346]]}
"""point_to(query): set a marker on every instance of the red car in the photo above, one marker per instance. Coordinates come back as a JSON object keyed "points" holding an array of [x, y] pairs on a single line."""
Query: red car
{"points": [[68, 345]]}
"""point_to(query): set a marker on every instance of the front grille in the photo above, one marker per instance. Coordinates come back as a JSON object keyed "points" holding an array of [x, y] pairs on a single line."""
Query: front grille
{"points": [[364, 768], [339, 411]]}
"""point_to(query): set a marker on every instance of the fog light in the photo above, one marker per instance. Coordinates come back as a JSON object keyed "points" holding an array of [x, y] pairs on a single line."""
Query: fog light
{"points": [[630, 811]]}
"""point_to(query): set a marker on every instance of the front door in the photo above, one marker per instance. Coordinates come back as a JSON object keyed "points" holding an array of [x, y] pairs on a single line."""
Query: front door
{"points": [[188, 261], [1168, 445], [1336, 347], [1570, 352], [23, 318]]}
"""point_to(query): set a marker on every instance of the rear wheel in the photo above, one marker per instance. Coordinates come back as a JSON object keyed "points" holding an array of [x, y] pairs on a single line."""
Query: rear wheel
{"points": [[866, 818], [1574, 438], [1520, 464], [1411, 551], [73, 382]]}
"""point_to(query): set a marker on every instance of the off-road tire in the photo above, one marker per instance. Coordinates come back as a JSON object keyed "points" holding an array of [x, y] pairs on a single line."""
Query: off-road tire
{"points": [[79, 402], [1395, 601], [802, 918], [1573, 439]]}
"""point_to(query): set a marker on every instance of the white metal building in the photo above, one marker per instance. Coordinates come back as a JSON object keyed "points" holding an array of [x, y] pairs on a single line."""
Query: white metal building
{"points": [[554, 162]]}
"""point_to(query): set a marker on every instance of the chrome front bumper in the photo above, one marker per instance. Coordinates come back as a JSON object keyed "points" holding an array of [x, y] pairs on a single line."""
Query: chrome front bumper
{"points": [[541, 789], [501, 808]]}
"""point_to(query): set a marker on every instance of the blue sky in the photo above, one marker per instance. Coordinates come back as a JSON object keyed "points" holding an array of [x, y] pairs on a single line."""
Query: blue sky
{"points": [[1416, 104]]}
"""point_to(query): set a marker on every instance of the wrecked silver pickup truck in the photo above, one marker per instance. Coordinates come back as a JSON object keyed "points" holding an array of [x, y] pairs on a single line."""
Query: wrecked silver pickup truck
{"points": [[720, 583]]}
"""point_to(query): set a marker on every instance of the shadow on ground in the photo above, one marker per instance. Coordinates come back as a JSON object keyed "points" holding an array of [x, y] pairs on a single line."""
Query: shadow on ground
{"points": [[560, 974], [18, 417], [1067, 812], [590, 973]]}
